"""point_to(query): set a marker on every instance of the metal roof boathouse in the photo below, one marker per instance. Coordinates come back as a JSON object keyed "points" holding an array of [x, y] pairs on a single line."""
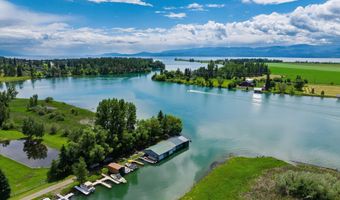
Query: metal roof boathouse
{"points": [[166, 148]]}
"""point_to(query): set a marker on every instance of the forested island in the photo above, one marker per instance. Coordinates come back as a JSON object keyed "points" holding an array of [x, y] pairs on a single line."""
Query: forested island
{"points": [[19, 68]]}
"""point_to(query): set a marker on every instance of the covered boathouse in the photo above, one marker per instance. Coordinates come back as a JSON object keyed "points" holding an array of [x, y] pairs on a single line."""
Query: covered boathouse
{"points": [[166, 148]]}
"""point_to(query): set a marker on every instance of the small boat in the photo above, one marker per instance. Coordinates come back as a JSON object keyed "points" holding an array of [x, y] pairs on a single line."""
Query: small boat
{"points": [[131, 166], [118, 177], [148, 160], [127, 170]]}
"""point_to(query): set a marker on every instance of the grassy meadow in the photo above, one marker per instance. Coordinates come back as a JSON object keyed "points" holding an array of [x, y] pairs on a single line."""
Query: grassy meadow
{"points": [[231, 179], [61, 115]]}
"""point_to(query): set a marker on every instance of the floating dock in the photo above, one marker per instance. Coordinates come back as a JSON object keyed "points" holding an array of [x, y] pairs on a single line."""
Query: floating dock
{"points": [[67, 197]]}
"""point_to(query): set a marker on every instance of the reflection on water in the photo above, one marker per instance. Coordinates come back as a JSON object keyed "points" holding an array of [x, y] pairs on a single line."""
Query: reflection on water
{"points": [[34, 149], [30, 152]]}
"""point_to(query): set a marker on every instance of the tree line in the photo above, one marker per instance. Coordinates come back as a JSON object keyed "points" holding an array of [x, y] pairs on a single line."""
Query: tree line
{"points": [[229, 70], [117, 133], [72, 67]]}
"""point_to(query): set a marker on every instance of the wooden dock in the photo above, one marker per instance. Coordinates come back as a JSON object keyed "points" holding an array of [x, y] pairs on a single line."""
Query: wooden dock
{"points": [[105, 178], [137, 162], [67, 197]]}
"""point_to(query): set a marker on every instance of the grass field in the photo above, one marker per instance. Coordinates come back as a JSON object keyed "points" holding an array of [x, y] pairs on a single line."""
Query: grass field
{"points": [[315, 73], [231, 179], [15, 78], [330, 90], [22, 178], [18, 113]]}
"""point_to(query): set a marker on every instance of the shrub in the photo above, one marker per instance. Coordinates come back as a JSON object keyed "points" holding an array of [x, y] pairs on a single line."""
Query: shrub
{"points": [[48, 99], [74, 111], [322, 93], [56, 116], [32, 128], [7, 125], [53, 130], [307, 185], [66, 132]]}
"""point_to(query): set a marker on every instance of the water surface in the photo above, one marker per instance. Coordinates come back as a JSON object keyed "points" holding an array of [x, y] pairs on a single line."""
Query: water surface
{"points": [[31, 153], [218, 122]]}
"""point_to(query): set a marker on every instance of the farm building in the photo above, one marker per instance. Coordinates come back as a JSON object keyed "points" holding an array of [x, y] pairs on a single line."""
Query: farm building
{"points": [[166, 148]]}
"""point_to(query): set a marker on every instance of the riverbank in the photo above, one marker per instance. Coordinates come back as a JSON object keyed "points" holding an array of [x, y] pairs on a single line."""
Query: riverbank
{"points": [[249, 178]]}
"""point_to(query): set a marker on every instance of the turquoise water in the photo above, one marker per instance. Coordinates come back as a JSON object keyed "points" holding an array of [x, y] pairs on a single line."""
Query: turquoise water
{"points": [[218, 122]]}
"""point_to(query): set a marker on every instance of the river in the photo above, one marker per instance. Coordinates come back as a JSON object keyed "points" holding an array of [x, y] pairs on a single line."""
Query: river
{"points": [[218, 122]]}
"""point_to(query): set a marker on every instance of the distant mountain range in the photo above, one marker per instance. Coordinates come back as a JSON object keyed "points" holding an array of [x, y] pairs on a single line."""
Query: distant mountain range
{"points": [[295, 51]]}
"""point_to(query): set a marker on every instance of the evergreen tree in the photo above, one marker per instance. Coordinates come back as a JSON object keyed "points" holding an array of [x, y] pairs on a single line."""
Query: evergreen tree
{"points": [[80, 170], [5, 190]]}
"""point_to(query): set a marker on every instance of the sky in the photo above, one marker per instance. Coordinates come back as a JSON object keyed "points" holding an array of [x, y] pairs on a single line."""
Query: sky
{"points": [[92, 27]]}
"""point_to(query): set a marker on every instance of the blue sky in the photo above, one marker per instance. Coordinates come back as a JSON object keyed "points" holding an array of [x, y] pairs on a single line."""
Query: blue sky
{"points": [[82, 27]]}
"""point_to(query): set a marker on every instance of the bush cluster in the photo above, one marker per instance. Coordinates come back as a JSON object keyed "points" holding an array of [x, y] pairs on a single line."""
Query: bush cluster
{"points": [[308, 185]]}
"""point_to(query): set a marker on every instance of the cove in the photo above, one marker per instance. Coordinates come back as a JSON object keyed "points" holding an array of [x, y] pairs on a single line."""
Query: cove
{"points": [[218, 122]]}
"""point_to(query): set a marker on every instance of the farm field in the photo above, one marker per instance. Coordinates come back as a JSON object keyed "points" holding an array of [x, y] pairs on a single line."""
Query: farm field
{"points": [[315, 73]]}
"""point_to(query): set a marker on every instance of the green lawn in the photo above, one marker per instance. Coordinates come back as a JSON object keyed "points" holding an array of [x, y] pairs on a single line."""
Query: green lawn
{"points": [[231, 179], [10, 135], [22, 178], [315, 73], [18, 113]]}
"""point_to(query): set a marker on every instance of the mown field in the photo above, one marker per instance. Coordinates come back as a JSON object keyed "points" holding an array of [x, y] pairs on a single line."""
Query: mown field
{"points": [[315, 73], [231, 179]]}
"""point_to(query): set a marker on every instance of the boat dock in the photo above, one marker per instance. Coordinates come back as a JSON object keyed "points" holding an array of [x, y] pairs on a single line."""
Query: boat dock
{"points": [[137, 162], [105, 178], [82, 190], [67, 197]]}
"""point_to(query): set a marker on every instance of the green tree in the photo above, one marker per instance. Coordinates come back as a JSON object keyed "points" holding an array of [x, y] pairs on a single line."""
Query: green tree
{"points": [[32, 128], [171, 125], [4, 107], [267, 84], [80, 170], [5, 190], [299, 83], [220, 82], [131, 118], [160, 116]]}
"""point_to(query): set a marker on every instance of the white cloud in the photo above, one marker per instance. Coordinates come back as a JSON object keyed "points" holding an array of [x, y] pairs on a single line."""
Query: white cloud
{"points": [[215, 5], [33, 33], [176, 15], [196, 7], [137, 2], [265, 2]]}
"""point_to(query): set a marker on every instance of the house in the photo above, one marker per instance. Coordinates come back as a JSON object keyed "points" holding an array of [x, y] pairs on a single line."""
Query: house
{"points": [[166, 148], [247, 83], [258, 90], [116, 168]]}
